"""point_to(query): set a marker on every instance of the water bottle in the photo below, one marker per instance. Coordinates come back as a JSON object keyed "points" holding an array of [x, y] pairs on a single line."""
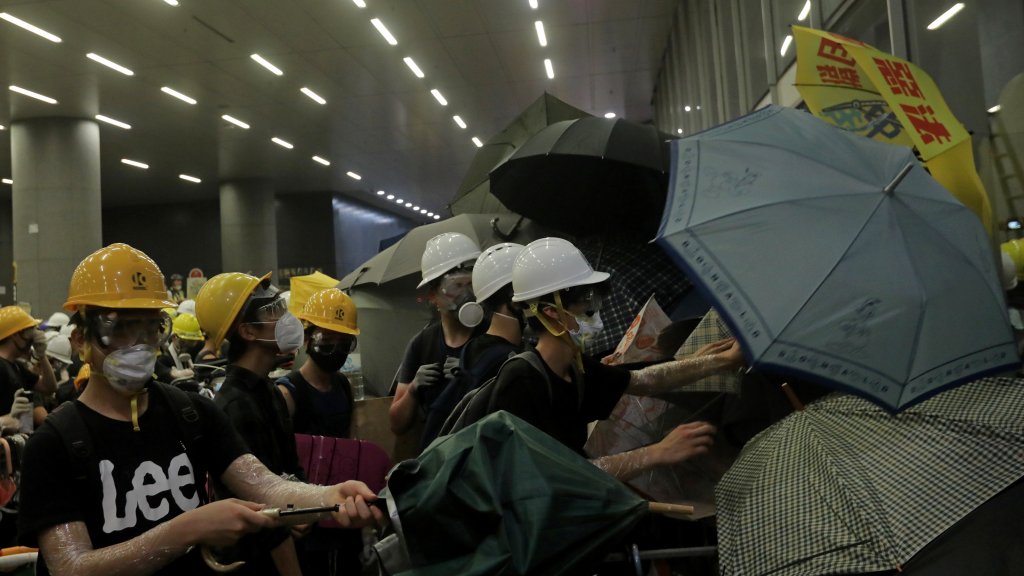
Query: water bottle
{"points": [[27, 423]]}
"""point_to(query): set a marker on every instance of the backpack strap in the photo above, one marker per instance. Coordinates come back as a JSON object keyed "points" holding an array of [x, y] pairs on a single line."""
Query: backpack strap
{"points": [[70, 426], [190, 428]]}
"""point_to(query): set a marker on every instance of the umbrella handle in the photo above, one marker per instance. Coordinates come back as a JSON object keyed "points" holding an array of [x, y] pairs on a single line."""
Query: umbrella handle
{"points": [[666, 508], [217, 566], [793, 398]]}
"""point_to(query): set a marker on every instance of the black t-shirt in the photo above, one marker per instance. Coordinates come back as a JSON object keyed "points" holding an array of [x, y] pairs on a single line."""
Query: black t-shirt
{"points": [[256, 409], [13, 375], [142, 479], [476, 349], [521, 390], [320, 413]]}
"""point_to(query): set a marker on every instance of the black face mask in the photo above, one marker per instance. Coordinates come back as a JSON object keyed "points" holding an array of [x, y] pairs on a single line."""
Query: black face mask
{"points": [[331, 362]]}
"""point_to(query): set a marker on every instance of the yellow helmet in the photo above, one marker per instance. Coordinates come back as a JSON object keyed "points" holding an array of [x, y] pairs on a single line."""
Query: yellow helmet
{"points": [[186, 327], [331, 309], [220, 300], [14, 319], [117, 276]]}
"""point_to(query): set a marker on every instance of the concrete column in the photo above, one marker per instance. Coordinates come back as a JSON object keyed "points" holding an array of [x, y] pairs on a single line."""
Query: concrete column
{"points": [[55, 205], [248, 226]]}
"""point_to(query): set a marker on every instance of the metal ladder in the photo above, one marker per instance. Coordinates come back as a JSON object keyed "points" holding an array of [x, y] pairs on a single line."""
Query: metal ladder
{"points": [[1007, 164]]}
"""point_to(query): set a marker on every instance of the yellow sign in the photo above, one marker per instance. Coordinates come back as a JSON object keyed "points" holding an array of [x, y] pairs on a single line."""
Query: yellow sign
{"points": [[861, 89]]}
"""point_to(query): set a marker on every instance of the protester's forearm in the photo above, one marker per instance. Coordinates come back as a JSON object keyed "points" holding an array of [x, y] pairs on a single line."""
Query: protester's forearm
{"points": [[249, 479], [68, 551], [669, 376], [626, 465]]}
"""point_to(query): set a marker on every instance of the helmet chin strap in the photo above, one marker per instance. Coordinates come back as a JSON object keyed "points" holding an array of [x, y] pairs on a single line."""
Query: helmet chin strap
{"points": [[562, 334]]}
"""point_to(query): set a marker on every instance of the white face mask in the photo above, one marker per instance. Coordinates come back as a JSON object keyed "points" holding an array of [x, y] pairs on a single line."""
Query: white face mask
{"points": [[289, 333], [589, 329], [128, 369]]}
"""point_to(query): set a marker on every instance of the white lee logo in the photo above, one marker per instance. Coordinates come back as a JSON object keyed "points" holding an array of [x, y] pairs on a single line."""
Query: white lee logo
{"points": [[149, 482]]}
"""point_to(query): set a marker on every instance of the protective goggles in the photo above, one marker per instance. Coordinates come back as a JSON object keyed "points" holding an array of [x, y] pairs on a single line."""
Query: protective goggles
{"points": [[591, 301], [116, 330], [264, 305], [456, 283], [331, 342]]}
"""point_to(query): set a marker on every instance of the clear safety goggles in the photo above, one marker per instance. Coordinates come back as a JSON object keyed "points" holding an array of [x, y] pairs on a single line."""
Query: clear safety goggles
{"points": [[456, 283], [331, 342], [117, 330], [259, 310], [590, 302]]}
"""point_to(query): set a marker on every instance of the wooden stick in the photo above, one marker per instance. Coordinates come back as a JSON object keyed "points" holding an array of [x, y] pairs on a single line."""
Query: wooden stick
{"points": [[666, 508], [793, 399]]}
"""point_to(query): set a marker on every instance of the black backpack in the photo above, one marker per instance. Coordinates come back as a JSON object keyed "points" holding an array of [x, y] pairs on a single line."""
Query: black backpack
{"points": [[71, 428], [477, 403]]}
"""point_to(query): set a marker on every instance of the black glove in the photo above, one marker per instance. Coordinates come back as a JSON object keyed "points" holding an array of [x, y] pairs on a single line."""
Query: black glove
{"points": [[427, 376]]}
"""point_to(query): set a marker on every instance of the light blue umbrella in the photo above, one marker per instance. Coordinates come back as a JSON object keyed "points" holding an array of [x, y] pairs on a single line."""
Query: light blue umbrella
{"points": [[836, 258]]}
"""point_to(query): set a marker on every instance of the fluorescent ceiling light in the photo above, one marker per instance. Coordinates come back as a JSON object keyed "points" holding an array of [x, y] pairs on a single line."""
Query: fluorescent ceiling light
{"points": [[609, 114], [380, 192], [458, 120], [32, 94], [785, 44], [533, 4], [423, 210], [313, 96], [178, 95], [188, 178], [412, 66], [408, 204], [321, 160], [171, 2], [26, 26], [263, 62], [359, 3], [804, 12], [399, 201], [391, 196], [2, 127], [477, 141], [135, 163], [110, 120], [7, 181], [541, 37], [991, 110], [431, 214], [437, 216], [235, 121], [384, 31], [283, 143], [353, 175], [416, 208], [437, 96], [679, 130], [946, 16], [687, 108], [549, 68], [109, 64]]}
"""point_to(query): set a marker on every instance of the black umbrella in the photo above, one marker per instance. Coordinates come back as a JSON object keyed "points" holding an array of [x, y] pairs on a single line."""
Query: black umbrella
{"points": [[588, 176]]}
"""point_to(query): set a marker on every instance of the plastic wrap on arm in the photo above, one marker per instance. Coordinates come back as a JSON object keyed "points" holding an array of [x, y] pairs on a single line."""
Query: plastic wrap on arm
{"points": [[68, 551], [248, 478], [625, 465], [670, 376]]}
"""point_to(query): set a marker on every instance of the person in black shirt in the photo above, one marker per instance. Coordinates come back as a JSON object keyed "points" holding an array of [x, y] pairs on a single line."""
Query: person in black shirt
{"points": [[434, 351], [20, 387], [140, 505], [254, 317], [562, 292], [319, 399]]}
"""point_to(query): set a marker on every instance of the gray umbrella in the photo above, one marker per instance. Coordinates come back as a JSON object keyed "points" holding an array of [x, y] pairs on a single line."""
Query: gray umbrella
{"points": [[845, 487], [836, 258], [474, 194]]}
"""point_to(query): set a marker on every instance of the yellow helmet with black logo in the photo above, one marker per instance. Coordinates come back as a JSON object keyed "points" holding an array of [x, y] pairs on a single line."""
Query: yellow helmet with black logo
{"points": [[221, 299], [14, 319], [331, 309], [117, 276]]}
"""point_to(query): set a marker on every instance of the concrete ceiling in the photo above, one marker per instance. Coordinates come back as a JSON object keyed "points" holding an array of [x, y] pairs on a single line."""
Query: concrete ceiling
{"points": [[380, 120]]}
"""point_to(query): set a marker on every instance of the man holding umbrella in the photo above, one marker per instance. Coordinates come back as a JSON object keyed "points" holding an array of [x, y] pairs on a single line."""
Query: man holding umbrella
{"points": [[562, 292]]}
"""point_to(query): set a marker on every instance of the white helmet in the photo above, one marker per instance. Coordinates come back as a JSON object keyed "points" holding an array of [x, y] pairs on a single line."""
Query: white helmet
{"points": [[446, 252], [493, 269], [67, 329], [59, 348], [187, 307], [57, 320], [549, 265]]}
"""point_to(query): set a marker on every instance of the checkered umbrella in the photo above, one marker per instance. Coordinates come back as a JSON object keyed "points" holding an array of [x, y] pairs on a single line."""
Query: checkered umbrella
{"points": [[845, 487]]}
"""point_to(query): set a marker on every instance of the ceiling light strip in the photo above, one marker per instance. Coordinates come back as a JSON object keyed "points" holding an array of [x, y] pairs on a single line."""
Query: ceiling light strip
{"points": [[188, 178], [384, 31], [135, 163], [266, 64], [109, 64], [31, 28], [113, 122], [235, 121], [541, 36], [282, 143], [437, 96], [313, 96], [31, 94], [178, 95]]}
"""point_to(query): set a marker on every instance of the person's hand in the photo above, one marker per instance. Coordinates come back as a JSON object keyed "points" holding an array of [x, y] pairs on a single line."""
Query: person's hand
{"points": [[354, 498], [22, 404], [715, 347], [426, 376], [733, 355], [39, 344], [684, 442], [223, 522], [179, 373], [451, 363]]}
